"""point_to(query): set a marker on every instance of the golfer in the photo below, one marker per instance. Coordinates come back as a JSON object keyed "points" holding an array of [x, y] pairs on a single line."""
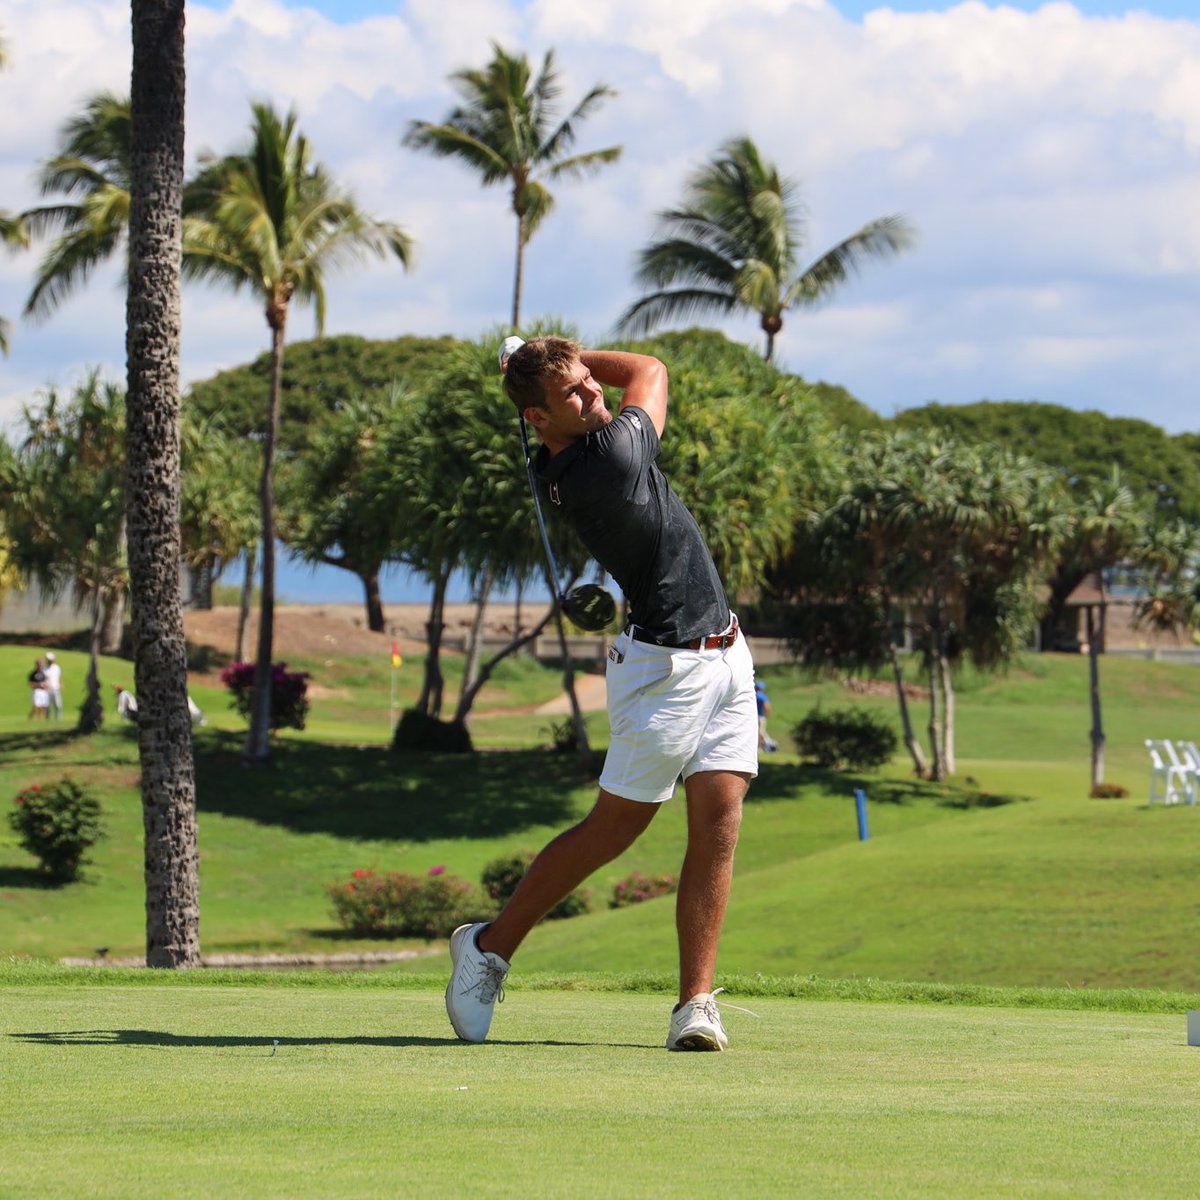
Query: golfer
{"points": [[679, 677]]}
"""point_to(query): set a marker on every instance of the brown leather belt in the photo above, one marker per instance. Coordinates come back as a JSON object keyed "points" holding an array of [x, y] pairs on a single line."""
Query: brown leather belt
{"points": [[715, 641]]}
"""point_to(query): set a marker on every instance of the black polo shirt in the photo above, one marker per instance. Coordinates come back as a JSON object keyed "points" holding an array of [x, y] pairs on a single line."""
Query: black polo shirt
{"points": [[610, 489]]}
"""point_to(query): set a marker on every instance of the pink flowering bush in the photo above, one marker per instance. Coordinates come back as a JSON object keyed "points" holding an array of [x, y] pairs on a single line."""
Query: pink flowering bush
{"points": [[289, 693], [57, 825], [397, 904], [637, 887]]}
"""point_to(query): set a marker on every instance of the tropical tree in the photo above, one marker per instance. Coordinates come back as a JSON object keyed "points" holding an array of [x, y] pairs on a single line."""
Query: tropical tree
{"points": [[91, 174], [735, 243], [1106, 526], [13, 233], [329, 511], [1168, 575], [272, 220], [218, 500], [508, 129], [950, 540], [152, 484], [12, 229], [64, 504]]}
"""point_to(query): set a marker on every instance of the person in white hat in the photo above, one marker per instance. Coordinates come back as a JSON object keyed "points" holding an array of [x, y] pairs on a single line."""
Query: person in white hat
{"points": [[53, 674]]}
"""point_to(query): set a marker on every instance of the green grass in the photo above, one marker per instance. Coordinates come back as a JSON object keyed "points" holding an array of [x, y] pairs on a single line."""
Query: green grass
{"points": [[1009, 876], [176, 1087]]}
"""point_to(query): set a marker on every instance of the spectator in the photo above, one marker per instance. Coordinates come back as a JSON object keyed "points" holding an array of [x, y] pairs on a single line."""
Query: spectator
{"points": [[39, 694], [127, 706], [54, 686], [765, 740]]}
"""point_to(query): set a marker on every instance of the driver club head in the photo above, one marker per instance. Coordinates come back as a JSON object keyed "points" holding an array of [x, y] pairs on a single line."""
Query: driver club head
{"points": [[590, 607]]}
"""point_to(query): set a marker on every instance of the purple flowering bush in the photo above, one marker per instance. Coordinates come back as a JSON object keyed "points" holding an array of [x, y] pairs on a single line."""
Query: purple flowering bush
{"points": [[637, 887], [289, 693], [397, 904]]}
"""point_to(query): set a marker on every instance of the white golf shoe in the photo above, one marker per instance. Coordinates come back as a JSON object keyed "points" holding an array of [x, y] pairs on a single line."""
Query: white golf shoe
{"points": [[696, 1025], [476, 984]]}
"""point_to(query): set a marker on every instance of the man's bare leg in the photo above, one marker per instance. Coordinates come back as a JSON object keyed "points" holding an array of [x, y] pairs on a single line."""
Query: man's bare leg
{"points": [[714, 811], [612, 826]]}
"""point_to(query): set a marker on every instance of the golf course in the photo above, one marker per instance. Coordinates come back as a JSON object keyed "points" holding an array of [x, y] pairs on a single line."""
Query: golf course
{"points": [[987, 997]]}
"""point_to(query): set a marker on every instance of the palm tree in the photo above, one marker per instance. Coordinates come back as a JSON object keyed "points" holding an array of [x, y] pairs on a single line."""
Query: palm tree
{"points": [[92, 171], [12, 233], [156, 161], [12, 229], [271, 220], [735, 243], [508, 130]]}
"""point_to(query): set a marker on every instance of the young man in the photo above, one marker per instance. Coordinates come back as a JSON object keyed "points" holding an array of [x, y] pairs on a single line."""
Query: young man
{"points": [[680, 679]]}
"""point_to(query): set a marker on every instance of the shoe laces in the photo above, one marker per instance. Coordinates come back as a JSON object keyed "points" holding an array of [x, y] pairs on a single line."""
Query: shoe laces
{"points": [[710, 1007], [490, 984]]}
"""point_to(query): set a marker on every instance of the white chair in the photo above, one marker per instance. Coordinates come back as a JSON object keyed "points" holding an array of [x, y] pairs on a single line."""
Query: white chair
{"points": [[1189, 756], [1168, 781]]}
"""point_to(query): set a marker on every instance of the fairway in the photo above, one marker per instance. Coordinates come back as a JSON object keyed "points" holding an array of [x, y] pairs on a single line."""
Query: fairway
{"points": [[149, 1089]]}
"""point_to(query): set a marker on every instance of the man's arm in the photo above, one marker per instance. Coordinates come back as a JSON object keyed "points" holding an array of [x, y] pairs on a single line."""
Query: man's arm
{"points": [[644, 380]]}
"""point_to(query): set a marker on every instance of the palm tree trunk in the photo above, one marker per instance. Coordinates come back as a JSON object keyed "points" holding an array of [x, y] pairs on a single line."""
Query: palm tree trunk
{"points": [[258, 739], [91, 715], [1094, 636], [152, 486], [910, 738], [518, 275], [239, 651]]}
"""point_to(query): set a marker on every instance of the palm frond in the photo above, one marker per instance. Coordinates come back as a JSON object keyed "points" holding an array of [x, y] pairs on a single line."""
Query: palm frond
{"points": [[68, 263], [882, 238], [649, 312]]}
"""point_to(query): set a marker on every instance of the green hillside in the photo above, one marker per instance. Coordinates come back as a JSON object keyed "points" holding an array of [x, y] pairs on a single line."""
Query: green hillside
{"points": [[1010, 875]]}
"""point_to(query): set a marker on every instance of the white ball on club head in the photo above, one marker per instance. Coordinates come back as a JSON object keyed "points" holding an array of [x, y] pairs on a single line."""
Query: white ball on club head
{"points": [[509, 346]]}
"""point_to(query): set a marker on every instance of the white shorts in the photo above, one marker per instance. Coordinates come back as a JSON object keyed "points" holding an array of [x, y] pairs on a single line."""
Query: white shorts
{"points": [[676, 712]]}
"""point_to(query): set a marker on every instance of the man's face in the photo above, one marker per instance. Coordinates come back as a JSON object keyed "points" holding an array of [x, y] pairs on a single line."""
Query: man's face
{"points": [[574, 404]]}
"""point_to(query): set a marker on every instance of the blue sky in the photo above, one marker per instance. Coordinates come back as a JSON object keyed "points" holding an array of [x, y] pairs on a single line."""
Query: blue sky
{"points": [[1049, 157]]}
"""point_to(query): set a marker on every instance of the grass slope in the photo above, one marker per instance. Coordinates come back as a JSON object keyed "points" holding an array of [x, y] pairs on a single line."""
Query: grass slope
{"points": [[1011, 876], [214, 1088]]}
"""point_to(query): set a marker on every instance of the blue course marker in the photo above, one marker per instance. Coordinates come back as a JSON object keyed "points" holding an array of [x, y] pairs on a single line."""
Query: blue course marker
{"points": [[860, 806]]}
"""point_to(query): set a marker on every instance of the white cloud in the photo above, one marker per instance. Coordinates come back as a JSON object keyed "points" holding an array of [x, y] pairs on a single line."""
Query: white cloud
{"points": [[1050, 161]]}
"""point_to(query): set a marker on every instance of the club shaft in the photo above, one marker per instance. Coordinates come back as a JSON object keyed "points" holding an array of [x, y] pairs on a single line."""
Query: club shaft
{"points": [[537, 508]]}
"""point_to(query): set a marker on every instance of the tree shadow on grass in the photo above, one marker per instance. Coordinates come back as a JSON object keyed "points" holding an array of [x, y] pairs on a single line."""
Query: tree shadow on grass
{"points": [[164, 1040], [28, 877], [370, 792], [37, 739], [785, 781]]}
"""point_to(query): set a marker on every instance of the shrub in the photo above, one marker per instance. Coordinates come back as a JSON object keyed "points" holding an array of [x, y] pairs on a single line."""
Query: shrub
{"points": [[1108, 791], [57, 824], [844, 739], [394, 904], [637, 887], [289, 693], [418, 731], [501, 876]]}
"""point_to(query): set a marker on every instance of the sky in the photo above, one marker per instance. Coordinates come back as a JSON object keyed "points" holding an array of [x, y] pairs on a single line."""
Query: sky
{"points": [[1047, 154]]}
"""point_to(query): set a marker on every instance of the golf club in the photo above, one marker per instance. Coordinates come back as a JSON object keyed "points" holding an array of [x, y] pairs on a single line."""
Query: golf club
{"points": [[588, 606]]}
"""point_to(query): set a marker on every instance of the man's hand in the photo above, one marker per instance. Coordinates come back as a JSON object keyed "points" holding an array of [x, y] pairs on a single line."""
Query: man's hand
{"points": [[509, 347]]}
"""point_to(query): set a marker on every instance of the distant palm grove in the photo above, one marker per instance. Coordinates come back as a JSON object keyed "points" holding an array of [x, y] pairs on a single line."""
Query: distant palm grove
{"points": [[904, 546]]}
